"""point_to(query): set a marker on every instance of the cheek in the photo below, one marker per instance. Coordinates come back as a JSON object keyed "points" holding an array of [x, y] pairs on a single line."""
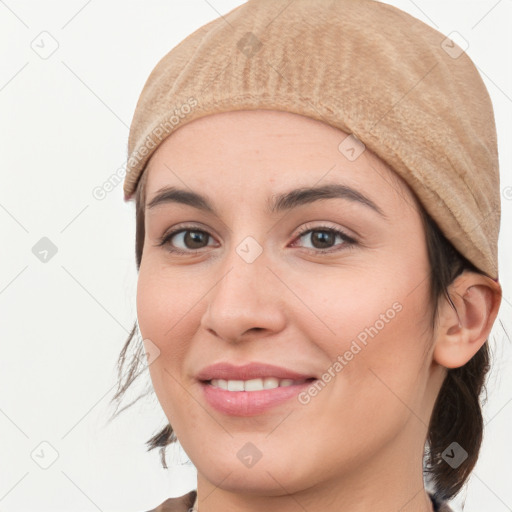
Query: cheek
{"points": [[164, 303], [377, 299], [379, 375], [164, 312], [373, 326]]}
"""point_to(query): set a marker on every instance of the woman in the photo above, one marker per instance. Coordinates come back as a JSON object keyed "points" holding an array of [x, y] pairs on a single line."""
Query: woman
{"points": [[317, 201]]}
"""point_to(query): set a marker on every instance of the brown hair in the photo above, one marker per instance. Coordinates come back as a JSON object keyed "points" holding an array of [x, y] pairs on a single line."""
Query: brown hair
{"points": [[457, 414]]}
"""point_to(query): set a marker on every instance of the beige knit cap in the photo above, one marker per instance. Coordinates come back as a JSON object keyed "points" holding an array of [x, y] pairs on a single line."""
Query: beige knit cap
{"points": [[407, 92]]}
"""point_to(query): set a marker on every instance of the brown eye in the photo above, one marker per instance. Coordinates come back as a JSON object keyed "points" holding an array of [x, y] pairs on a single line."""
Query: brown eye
{"points": [[323, 238], [188, 240]]}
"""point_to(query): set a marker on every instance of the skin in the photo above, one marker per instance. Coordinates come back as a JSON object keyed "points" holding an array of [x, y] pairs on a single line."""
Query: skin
{"points": [[358, 444]]}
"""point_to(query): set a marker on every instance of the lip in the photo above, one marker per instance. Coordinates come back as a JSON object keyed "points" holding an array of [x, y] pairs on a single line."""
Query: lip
{"points": [[249, 403], [253, 370]]}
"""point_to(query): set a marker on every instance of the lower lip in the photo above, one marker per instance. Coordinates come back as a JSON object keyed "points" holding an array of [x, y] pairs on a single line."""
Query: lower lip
{"points": [[249, 403]]}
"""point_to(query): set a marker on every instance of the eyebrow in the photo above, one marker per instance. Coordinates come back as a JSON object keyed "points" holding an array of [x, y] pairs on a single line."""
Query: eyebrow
{"points": [[282, 202]]}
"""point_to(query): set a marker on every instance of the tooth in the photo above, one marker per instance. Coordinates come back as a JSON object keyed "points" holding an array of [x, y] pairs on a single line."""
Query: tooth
{"points": [[270, 383], [235, 385], [254, 385], [220, 383]]}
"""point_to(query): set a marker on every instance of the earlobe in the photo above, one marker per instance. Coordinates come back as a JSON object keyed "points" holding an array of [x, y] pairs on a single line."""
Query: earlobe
{"points": [[463, 331]]}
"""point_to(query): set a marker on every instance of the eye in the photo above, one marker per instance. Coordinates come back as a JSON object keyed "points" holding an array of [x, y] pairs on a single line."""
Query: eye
{"points": [[193, 239], [323, 237], [190, 237]]}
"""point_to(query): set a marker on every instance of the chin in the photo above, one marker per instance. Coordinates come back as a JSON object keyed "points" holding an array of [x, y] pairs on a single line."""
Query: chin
{"points": [[269, 476], [250, 481]]}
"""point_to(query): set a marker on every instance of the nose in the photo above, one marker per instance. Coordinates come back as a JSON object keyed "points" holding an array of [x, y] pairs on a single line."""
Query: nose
{"points": [[248, 298]]}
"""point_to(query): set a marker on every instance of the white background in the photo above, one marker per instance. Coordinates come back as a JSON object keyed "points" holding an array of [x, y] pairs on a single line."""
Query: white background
{"points": [[63, 130]]}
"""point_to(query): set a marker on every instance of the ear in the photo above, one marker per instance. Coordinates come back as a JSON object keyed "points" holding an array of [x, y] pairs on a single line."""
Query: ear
{"points": [[460, 334]]}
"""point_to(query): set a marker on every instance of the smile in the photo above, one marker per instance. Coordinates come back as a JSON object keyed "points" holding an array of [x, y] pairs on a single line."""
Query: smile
{"points": [[251, 397], [255, 384]]}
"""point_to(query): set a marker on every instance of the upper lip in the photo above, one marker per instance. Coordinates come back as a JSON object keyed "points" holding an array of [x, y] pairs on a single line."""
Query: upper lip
{"points": [[228, 371]]}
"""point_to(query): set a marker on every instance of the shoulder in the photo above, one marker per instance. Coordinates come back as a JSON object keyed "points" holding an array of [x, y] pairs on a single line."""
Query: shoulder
{"points": [[179, 504]]}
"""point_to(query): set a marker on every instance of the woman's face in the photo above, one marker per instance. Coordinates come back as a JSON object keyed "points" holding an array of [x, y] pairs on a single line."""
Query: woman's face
{"points": [[248, 283]]}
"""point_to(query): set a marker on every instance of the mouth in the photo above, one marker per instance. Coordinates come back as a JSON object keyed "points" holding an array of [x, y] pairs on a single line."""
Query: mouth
{"points": [[257, 384], [250, 389], [251, 397]]}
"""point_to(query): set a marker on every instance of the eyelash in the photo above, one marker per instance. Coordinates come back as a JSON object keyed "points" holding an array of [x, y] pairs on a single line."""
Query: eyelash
{"points": [[348, 242]]}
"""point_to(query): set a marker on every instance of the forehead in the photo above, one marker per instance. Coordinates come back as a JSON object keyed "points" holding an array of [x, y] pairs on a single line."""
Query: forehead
{"points": [[269, 151]]}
